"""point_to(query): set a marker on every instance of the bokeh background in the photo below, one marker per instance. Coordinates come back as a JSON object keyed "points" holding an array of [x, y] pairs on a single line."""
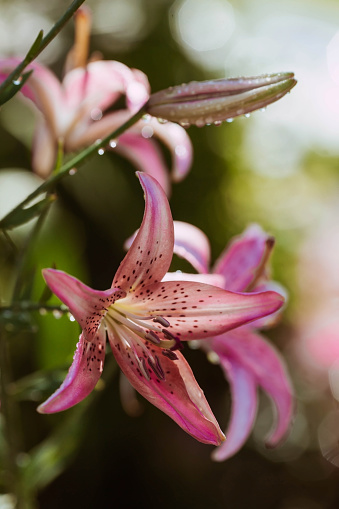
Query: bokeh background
{"points": [[279, 168]]}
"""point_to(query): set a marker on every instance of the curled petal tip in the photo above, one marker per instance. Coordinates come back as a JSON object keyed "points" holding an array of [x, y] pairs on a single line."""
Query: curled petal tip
{"points": [[214, 101]]}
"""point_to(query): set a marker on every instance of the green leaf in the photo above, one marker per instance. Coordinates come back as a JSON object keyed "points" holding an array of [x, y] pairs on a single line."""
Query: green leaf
{"points": [[34, 49], [14, 87], [21, 216]]}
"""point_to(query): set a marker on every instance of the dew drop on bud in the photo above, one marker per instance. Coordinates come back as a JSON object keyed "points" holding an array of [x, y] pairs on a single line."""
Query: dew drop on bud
{"points": [[217, 122], [184, 123], [263, 109], [229, 120], [200, 122], [71, 317], [247, 115], [57, 314], [146, 117], [72, 171], [113, 143], [162, 120], [43, 311], [101, 151]]}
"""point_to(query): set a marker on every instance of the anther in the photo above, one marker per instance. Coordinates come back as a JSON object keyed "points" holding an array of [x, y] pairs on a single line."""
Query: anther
{"points": [[144, 370], [156, 368], [178, 345], [171, 355], [151, 336], [162, 321]]}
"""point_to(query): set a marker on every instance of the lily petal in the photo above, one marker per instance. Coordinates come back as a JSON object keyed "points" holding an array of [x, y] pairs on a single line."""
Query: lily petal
{"points": [[43, 89], [150, 255], [208, 279], [82, 377], [179, 143], [241, 259], [173, 389], [244, 408], [192, 244], [265, 363], [202, 311], [86, 305], [44, 152]]}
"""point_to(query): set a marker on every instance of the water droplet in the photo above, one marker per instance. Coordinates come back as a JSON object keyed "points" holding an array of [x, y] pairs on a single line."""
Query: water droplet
{"points": [[57, 314], [101, 367], [101, 151], [72, 171], [18, 81], [247, 115], [217, 122], [263, 109], [113, 143], [146, 117], [229, 120], [200, 122], [184, 123], [43, 311], [147, 131], [162, 120], [71, 317], [96, 114]]}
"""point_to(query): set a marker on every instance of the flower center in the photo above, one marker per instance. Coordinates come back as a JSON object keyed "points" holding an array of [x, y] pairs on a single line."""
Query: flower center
{"points": [[135, 331]]}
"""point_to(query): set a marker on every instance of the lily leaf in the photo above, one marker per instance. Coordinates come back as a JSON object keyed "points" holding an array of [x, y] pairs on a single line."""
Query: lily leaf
{"points": [[21, 216]]}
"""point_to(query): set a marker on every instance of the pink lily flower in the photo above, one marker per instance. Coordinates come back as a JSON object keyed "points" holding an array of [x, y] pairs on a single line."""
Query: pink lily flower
{"points": [[73, 112], [247, 359], [147, 321]]}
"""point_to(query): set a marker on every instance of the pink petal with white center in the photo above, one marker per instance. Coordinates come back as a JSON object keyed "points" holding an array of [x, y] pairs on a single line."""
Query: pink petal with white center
{"points": [[197, 311], [179, 143], [82, 377], [170, 386], [192, 244], [88, 306], [265, 363], [208, 279], [150, 255], [244, 408], [44, 150], [43, 89], [241, 260]]}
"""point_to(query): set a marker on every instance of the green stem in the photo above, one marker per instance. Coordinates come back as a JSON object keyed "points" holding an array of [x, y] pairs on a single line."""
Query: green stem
{"points": [[24, 253], [31, 55], [76, 160]]}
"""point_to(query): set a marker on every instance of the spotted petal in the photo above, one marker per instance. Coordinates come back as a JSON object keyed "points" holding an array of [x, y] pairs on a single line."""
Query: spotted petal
{"points": [[86, 305], [244, 407], [242, 259], [258, 357], [170, 385], [82, 377], [196, 310], [150, 255]]}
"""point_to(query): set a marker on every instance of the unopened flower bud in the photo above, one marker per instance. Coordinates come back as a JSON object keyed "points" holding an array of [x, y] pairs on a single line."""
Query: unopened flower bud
{"points": [[213, 101]]}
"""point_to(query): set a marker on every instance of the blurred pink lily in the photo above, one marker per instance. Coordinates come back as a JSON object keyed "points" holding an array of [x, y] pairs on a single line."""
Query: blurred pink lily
{"points": [[146, 321], [73, 112], [246, 358]]}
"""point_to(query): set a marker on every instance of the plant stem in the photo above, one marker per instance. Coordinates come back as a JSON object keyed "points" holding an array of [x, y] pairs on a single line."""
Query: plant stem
{"points": [[31, 55], [76, 160]]}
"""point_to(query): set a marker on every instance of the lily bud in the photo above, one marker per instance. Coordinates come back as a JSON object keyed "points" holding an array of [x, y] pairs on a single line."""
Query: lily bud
{"points": [[213, 101]]}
